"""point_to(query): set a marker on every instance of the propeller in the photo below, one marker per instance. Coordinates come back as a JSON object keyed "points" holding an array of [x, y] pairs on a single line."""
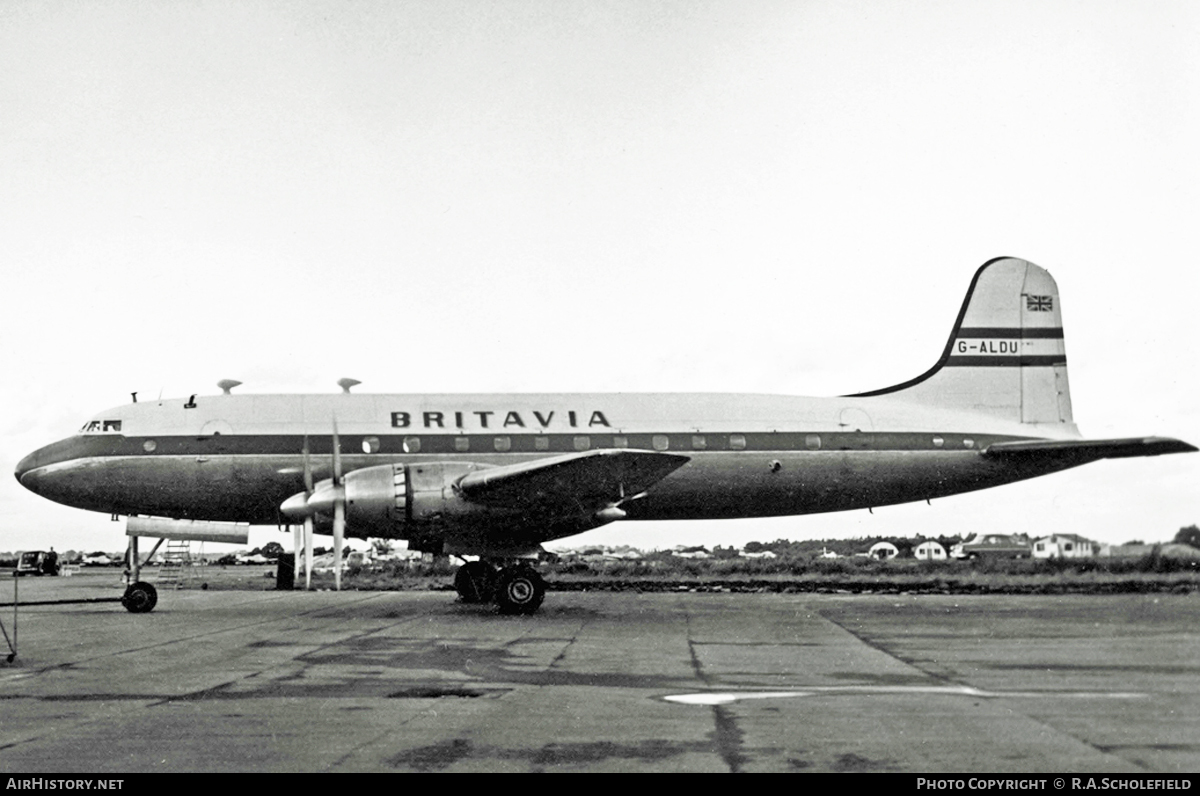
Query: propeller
{"points": [[329, 497], [308, 520], [339, 509], [297, 507]]}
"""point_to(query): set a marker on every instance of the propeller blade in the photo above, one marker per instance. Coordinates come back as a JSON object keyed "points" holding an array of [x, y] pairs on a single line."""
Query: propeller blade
{"points": [[296, 507], [338, 496], [308, 552], [339, 531], [337, 455], [308, 479], [297, 540]]}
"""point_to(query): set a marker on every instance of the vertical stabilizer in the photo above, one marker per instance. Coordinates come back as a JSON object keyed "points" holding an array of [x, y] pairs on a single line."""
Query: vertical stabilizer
{"points": [[1005, 356]]}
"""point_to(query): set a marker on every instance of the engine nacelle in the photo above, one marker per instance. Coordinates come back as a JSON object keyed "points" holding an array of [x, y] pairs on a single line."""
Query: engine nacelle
{"points": [[403, 500]]}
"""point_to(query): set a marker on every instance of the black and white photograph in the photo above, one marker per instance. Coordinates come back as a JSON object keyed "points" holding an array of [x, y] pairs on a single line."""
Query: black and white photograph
{"points": [[622, 386]]}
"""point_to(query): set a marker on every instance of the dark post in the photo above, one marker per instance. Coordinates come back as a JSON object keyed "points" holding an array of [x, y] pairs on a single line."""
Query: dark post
{"points": [[285, 573]]}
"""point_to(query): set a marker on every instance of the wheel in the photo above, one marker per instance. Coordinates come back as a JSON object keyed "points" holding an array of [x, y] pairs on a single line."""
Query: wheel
{"points": [[140, 598], [475, 581], [520, 591]]}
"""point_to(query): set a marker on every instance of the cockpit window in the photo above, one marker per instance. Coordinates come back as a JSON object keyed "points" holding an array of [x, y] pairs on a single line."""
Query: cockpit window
{"points": [[100, 427]]}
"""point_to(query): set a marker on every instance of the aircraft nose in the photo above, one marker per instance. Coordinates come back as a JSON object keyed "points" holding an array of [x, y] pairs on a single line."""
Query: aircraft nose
{"points": [[25, 465], [66, 472], [30, 470]]}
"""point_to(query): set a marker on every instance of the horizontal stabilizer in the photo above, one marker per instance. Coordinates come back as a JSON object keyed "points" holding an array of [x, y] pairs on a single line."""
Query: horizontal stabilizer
{"points": [[577, 482], [1086, 450]]}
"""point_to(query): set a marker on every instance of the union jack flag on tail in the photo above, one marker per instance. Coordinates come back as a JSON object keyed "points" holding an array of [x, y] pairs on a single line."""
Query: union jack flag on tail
{"points": [[1039, 303]]}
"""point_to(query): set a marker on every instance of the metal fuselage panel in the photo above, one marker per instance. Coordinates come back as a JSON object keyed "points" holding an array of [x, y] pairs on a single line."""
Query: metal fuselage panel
{"points": [[237, 458], [250, 487]]}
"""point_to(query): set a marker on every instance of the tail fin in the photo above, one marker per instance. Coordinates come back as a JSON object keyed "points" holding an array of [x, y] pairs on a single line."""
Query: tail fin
{"points": [[1005, 356]]}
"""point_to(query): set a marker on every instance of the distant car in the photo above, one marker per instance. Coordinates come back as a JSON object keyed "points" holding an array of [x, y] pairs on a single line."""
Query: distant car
{"points": [[993, 545], [97, 560], [38, 562]]}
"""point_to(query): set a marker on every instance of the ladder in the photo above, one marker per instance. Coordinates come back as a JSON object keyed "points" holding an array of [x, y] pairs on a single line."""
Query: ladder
{"points": [[177, 556]]}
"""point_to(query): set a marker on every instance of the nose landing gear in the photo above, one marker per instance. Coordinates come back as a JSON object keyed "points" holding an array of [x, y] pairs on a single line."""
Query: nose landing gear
{"points": [[140, 598]]}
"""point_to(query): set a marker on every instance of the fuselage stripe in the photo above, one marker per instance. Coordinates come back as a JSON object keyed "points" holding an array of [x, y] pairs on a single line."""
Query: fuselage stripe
{"points": [[1006, 361], [468, 445], [1010, 332]]}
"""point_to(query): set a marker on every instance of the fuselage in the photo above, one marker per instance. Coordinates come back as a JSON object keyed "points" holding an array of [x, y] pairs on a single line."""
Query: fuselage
{"points": [[238, 457]]}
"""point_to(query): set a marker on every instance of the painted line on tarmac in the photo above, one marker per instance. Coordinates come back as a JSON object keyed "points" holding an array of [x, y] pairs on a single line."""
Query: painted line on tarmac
{"points": [[725, 698], [8, 678]]}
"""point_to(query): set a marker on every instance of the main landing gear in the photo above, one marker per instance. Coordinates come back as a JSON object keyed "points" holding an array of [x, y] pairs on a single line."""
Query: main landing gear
{"points": [[515, 588]]}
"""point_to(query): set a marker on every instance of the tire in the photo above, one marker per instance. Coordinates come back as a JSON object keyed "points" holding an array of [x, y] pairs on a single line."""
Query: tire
{"points": [[475, 582], [140, 598], [520, 591]]}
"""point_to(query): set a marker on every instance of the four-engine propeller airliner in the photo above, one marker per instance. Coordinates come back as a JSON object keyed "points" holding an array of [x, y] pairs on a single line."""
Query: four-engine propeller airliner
{"points": [[495, 476]]}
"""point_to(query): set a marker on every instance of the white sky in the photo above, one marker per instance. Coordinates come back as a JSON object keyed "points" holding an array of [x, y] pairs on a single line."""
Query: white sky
{"points": [[782, 197]]}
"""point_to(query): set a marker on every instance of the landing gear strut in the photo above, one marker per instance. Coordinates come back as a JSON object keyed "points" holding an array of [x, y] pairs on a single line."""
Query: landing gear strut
{"points": [[516, 589]]}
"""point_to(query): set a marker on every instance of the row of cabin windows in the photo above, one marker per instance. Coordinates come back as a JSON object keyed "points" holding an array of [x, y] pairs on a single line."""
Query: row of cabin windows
{"points": [[659, 442]]}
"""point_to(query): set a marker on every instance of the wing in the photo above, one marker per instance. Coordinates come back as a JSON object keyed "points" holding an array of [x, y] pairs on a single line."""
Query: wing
{"points": [[571, 484], [1085, 450]]}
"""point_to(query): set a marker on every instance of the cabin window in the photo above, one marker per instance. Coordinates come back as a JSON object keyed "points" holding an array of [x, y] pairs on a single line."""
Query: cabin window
{"points": [[660, 442], [968, 443], [620, 442], [737, 442], [699, 443], [412, 444], [370, 444], [583, 443], [503, 444], [938, 442], [541, 443], [813, 442], [462, 444], [149, 446]]}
